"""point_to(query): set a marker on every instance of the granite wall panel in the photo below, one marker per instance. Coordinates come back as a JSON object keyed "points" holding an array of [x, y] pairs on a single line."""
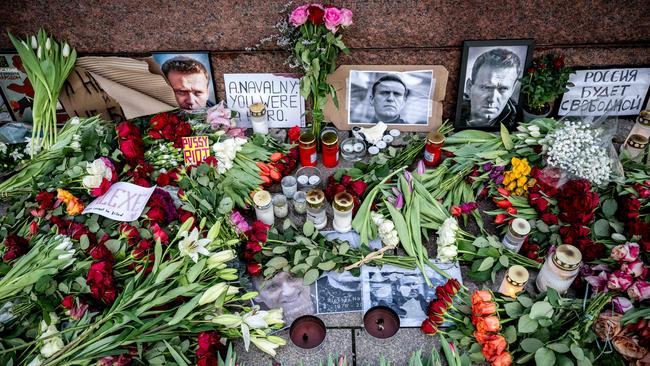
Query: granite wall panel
{"points": [[597, 32]]}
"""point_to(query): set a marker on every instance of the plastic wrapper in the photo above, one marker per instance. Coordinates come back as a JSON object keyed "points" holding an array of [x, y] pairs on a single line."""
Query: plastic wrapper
{"points": [[580, 147]]}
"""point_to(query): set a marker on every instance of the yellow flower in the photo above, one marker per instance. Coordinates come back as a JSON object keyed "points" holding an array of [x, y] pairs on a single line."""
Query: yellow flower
{"points": [[64, 195], [519, 191], [75, 206], [512, 186], [531, 182], [521, 181], [506, 179]]}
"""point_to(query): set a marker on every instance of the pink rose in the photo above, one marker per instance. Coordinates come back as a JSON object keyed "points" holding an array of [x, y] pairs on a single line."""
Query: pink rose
{"points": [[627, 252], [332, 18], [634, 269], [346, 17], [622, 304], [299, 15], [619, 280], [640, 290]]}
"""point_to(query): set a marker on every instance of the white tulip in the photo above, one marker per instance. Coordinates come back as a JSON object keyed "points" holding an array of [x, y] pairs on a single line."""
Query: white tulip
{"points": [[66, 50], [34, 43], [48, 44], [39, 52], [386, 227], [36, 361], [448, 253]]}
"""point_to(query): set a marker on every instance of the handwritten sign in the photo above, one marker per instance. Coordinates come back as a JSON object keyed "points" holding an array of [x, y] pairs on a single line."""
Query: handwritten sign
{"points": [[195, 149], [280, 93], [617, 92], [123, 202]]}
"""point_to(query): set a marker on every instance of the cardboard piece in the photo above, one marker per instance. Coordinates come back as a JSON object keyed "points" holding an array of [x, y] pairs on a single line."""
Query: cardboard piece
{"points": [[82, 96], [339, 80]]}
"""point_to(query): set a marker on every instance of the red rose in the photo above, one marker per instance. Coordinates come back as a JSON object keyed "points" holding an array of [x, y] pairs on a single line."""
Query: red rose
{"points": [[103, 188], [531, 70], [45, 200], [169, 133], [253, 269], [142, 249], [15, 246], [571, 234], [100, 252], [294, 134], [577, 203], [68, 302], [132, 149], [316, 13], [359, 186], [549, 218], [253, 246], [211, 161], [159, 234], [156, 214], [183, 129], [437, 307], [159, 121], [428, 327], [208, 359], [184, 215], [451, 287], [126, 129], [129, 232], [154, 134]]}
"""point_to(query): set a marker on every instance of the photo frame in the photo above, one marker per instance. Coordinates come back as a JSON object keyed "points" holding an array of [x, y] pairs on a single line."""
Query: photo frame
{"points": [[426, 85], [489, 86], [186, 73]]}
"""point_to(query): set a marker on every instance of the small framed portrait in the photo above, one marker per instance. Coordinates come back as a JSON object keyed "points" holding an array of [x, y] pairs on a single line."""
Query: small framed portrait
{"points": [[190, 77], [489, 87], [392, 97]]}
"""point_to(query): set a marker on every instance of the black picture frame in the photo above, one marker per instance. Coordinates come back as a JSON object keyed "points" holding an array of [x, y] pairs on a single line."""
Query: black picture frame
{"points": [[212, 82], [508, 113], [556, 106]]}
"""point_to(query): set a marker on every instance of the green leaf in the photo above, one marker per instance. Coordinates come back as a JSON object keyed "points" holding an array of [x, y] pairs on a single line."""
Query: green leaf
{"points": [[577, 352], [531, 345], [553, 296], [167, 271], [277, 262], [541, 310], [544, 356], [505, 138], [177, 357], [601, 228], [525, 301], [194, 271], [558, 347], [84, 242], [510, 333], [481, 242], [310, 277], [563, 360], [327, 266], [486, 264], [308, 228], [609, 207], [343, 248], [504, 260], [185, 309], [526, 324], [513, 309]]}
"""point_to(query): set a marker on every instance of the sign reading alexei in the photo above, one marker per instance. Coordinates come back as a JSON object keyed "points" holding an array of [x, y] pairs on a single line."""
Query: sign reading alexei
{"points": [[123, 202], [280, 93], [617, 92]]}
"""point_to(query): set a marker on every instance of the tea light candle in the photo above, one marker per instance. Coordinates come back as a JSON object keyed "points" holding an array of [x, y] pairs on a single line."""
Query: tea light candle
{"points": [[289, 186], [388, 139], [358, 147], [514, 281], [263, 207], [395, 133], [307, 332], [348, 148], [560, 269], [373, 150], [303, 180], [314, 180], [280, 207], [381, 322], [381, 144]]}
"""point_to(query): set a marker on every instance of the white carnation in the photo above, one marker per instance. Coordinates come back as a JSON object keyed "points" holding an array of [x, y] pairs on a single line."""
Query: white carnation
{"points": [[91, 181], [448, 253], [386, 227]]}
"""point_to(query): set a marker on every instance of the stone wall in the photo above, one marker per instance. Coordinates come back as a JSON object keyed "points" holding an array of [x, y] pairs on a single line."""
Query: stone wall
{"points": [[590, 33]]}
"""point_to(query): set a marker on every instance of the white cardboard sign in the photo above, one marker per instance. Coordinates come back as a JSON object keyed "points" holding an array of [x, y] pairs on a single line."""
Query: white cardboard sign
{"points": [[280, 93], [616, 92], [122, 202]]}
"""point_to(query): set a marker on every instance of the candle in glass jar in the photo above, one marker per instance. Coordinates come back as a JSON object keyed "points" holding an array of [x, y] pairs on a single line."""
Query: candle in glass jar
{"points": [[300, 203], [263, 207], [516, 234], [636, 145], [289, 186], [259, 120], [307, 332], [381, 322], [342, 207], [316, 208], [433, 148], [514, 281], [307, 149], [560, 269], [330, 147], [280, 207]]}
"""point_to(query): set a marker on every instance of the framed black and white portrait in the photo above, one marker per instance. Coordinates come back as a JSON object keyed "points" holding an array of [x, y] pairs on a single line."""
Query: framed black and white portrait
{"points": [[393, 97], [489, 87], [190, 77]]}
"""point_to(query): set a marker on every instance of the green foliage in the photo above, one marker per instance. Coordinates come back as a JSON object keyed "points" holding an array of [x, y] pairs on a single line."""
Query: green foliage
{"points": [[545, 81]]}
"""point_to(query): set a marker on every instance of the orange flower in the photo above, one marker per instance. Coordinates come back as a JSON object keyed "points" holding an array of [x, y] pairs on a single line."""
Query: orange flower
{"points": [[484, 308], [75, 207], [481, 337], [493, 347], [481, 295], [64, 195], [504, 359], [488, 324]]}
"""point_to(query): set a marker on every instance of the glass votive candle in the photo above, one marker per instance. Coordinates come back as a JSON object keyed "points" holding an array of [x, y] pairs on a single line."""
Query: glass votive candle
{"points": [[263, 207], [289, 186], [636, 145], [381, 322], [517, 232], [330, 148], [514, 281], [307, 149], [300, 203], [280, 206], [342, 207], [307, 332], [316, 211], [352, 149], [560, 269]]}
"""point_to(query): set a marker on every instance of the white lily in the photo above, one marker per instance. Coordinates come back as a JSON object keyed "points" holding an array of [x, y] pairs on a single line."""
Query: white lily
{"points": [[227, 320], [192, 246], [213, 293], [265, 345], [221, 257], [256, 320], [274, 316]]}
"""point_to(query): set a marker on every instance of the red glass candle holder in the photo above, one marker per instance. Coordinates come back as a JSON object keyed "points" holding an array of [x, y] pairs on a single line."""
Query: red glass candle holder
{"points": [[381, 322], [330, 148], [307, 332], [307, 149], [433, 149]]}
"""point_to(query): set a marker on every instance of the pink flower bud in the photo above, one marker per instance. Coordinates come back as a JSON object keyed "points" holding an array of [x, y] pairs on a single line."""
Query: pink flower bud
{"points": [[299, 16], [639, 291], [634, 269], [627, 252], [619, 280]]}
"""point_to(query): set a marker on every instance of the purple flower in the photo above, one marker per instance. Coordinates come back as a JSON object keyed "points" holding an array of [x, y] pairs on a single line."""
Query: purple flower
{"points": [[599, 283], [421, 168], [400, 202], [622, 304], [241, 226], [499, 180], [409, 180], [487, 167]]}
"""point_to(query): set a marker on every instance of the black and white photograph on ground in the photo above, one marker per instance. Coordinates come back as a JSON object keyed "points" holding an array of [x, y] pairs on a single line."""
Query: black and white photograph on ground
{"points": [[338, 292], [287, 292], [489, 87], [190, 77], [392, 97], [405, 291]]}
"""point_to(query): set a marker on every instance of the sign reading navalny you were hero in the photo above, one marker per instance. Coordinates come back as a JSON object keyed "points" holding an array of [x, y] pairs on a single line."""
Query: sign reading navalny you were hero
{"points": [[280, 93], [616, 92]]}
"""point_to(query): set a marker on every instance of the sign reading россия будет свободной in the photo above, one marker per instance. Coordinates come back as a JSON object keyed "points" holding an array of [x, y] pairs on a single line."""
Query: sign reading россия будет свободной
{"points": [[615, 91]]}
